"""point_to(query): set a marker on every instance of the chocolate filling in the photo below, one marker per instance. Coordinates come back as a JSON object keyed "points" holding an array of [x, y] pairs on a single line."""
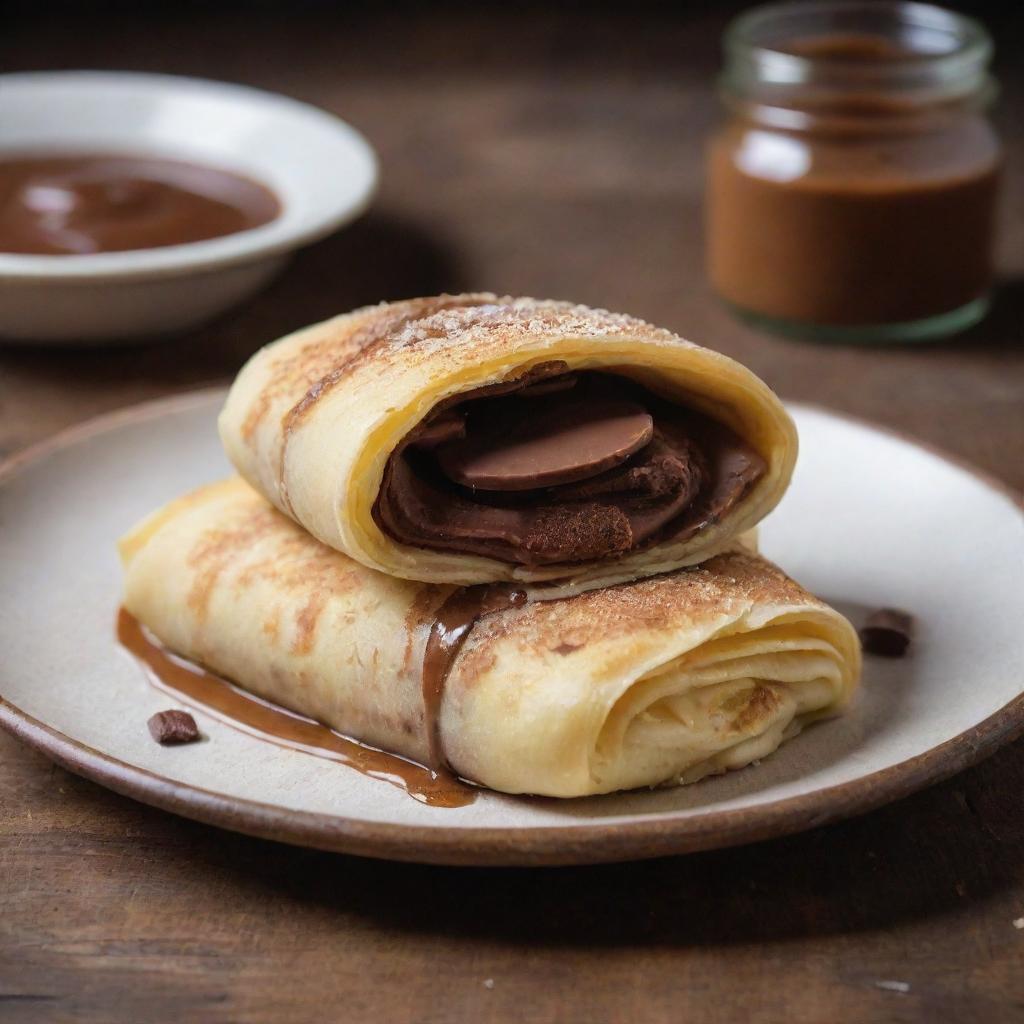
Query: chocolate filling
{"points": [[559, 467]]}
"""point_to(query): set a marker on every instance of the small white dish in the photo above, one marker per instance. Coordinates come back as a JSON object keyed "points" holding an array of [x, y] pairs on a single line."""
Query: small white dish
{"points": [[323, 172], [869, 520]]}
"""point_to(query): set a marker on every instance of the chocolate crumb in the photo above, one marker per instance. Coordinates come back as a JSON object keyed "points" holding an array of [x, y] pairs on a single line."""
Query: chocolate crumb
{"points": [[173, 727], [887, 632]]}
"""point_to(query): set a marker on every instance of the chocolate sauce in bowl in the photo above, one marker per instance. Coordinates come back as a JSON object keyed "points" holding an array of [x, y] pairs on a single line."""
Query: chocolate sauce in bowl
{"points": [[248, 713], [79, 204]]}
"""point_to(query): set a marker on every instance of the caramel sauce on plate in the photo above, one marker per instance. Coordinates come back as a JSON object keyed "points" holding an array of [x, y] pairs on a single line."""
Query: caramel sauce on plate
{"points": [[202, 689], [73, 205]]}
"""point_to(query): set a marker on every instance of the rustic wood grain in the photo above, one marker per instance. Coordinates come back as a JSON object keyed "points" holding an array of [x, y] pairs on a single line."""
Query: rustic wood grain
{"points": [[548, 154]]}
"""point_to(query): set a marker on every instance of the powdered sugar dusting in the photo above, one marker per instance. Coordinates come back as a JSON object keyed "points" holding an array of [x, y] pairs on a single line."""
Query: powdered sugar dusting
{"points": [[727, 584], [519, 319]]}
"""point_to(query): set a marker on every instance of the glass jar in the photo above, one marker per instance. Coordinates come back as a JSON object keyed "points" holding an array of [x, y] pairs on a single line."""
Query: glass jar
{"points": [[852, 187]]}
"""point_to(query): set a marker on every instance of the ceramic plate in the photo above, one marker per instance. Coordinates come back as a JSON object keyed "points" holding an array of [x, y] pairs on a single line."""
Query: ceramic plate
{"points": [[869, 520]]}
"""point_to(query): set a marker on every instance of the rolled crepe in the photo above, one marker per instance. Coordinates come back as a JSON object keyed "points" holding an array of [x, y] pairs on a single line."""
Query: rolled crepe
{"points": [[654, 682], [468, 439]]}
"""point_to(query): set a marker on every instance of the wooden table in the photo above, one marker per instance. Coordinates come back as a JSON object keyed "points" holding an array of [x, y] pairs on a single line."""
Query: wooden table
{"points": [[548, 156]]}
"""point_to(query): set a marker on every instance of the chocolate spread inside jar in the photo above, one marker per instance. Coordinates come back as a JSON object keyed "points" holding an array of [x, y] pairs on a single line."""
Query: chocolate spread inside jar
{"points": [[851, 192], [77, 204]]}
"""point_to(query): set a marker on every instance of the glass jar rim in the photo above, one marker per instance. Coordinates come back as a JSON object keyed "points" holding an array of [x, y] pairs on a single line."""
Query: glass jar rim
{"points": [[768, 64]]}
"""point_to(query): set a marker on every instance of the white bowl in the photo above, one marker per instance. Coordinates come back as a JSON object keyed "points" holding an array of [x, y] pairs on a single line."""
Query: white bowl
{"points": [[323, 172]]}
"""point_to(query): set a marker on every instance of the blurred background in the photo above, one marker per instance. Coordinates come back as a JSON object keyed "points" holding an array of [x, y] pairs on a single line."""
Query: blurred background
{"points": [[544, 149], [555, 150]]}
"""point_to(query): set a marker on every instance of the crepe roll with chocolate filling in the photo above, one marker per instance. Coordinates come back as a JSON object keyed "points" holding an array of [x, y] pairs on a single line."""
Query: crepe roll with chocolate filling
{"points": [[471, 439], [658, 681]]}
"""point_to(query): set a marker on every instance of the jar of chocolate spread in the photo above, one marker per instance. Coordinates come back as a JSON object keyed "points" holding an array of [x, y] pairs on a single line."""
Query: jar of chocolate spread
{"points": [[852, 187]]}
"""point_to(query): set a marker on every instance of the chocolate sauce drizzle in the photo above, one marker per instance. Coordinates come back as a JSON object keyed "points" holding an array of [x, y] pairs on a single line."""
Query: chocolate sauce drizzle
{"points": [[233, 706], [452, 624]]}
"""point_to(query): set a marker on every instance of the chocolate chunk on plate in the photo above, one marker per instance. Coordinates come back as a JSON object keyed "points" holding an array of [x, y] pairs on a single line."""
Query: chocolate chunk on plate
{"points": [[172, 727], [887, 632]]}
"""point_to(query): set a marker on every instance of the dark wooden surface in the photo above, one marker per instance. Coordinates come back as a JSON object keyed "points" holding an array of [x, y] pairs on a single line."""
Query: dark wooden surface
{"points": [[548, 155]]}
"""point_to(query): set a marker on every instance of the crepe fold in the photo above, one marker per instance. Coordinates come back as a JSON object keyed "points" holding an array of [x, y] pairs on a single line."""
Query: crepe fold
{"points": [[313, 419], [654, 682]]}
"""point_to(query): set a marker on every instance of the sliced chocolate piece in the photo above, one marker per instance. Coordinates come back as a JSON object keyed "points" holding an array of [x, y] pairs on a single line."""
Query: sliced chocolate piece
{"points": [[549, 386], [557, 445], [173, 727], [448, 426], [887, 632]]}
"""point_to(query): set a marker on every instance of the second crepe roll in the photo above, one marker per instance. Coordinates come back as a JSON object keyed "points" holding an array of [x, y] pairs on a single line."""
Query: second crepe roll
{"points": [[661, 681], [472, 439]]}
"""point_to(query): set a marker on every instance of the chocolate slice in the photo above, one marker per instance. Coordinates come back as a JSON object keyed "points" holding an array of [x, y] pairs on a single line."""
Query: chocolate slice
{"points": [[562, 443]]}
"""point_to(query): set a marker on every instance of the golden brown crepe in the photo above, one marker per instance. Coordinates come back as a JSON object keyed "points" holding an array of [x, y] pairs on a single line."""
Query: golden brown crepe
{"points": [[654, 682], [346, 427]]}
